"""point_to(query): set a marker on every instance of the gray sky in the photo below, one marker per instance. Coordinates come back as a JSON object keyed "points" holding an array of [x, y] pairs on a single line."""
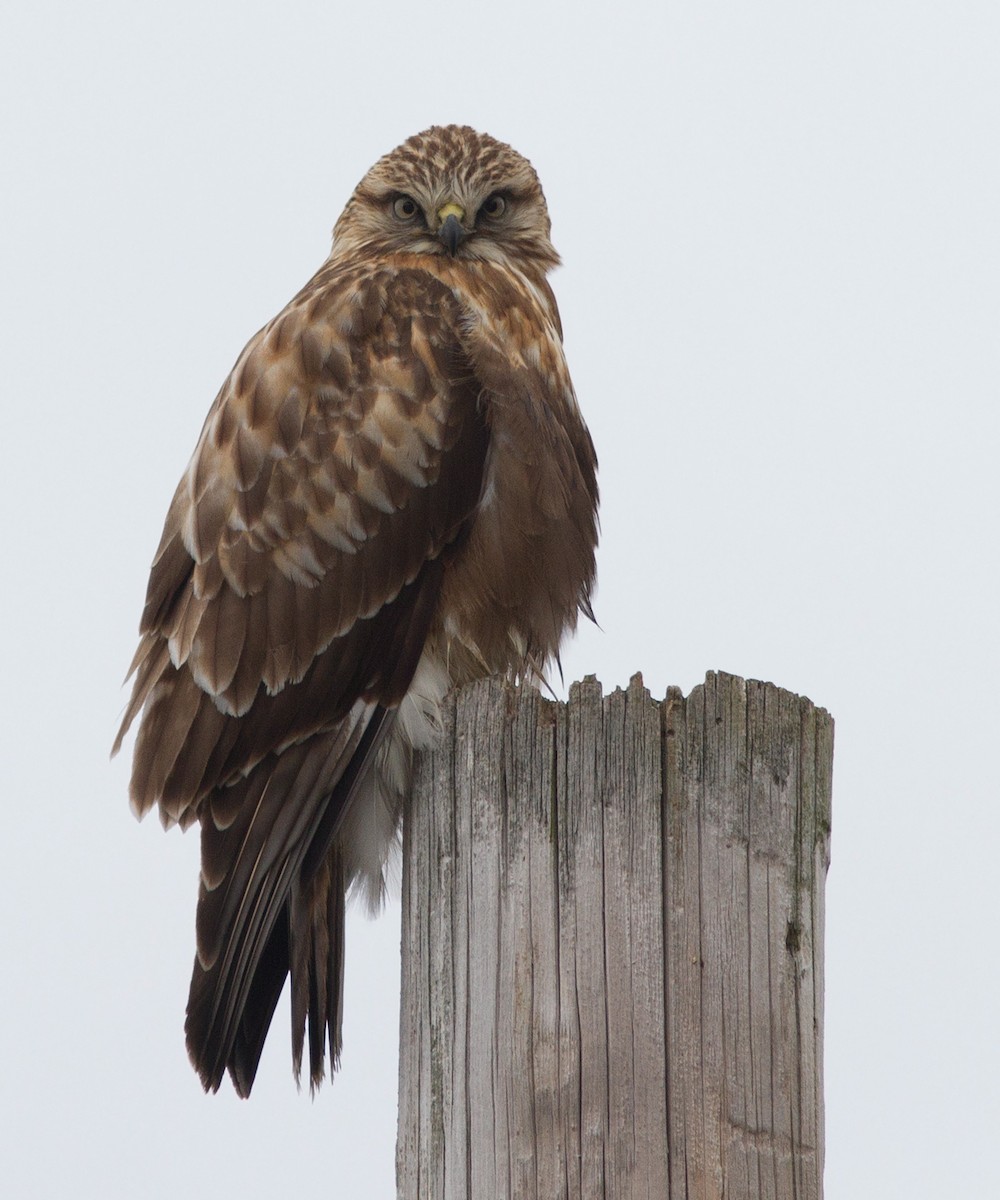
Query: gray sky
{"points": [[779, 224]]}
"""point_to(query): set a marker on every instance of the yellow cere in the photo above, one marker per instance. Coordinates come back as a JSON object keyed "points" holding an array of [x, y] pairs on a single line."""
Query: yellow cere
{"points": [[451, 210]]}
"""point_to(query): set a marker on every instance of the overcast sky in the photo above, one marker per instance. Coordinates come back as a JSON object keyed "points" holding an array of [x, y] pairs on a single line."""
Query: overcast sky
{"points": [[779, 223]]}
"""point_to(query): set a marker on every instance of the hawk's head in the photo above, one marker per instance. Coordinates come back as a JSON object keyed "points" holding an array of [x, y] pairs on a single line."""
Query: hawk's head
{"points": [[451, 191]]}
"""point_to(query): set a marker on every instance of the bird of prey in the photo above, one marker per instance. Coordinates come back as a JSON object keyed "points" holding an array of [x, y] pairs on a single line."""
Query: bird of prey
{"points": [[394, 493]]}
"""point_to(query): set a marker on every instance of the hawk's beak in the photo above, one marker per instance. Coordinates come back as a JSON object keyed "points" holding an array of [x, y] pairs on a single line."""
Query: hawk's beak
{"points": [[451, 231]]}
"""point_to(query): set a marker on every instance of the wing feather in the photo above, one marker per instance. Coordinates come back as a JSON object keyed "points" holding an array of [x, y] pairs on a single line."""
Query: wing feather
{"points": [[288, 605], [387, 470]]}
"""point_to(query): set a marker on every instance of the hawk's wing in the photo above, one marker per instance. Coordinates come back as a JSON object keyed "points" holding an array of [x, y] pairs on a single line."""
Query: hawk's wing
{"points": [[287, 608]]}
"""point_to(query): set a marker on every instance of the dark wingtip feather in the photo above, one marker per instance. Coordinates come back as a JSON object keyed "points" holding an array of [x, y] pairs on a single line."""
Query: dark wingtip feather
{"points": [[236, 984], [202, 1051], [258, 1012], [588, 611]]}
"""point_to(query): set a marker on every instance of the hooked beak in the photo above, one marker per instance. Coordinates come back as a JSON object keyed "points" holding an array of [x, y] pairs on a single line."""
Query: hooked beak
{"points": [[451, 232]]}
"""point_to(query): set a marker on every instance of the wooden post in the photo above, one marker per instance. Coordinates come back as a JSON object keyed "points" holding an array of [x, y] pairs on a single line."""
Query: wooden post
{"points": [[613, 947]]}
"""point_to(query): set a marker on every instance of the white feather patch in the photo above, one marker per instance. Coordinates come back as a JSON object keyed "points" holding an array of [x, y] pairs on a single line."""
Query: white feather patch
{"points": [[370, 833]]}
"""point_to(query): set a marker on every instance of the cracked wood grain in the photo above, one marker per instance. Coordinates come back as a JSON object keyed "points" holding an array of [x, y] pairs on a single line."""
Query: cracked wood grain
{"points": [[613, 947]]}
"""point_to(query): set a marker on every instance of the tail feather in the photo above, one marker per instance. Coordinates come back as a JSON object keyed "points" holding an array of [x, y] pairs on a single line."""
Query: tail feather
{"points": [[317, 912], [264, 912]]}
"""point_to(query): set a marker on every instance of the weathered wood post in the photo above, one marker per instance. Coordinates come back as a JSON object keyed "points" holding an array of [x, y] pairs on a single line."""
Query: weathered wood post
{"points": [[613, 947]]}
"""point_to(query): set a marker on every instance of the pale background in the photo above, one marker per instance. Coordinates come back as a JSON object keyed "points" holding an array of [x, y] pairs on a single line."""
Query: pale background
{"points": [[780, 229]]}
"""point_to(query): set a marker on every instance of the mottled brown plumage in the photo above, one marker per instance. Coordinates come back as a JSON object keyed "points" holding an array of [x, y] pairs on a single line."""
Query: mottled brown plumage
{"points": [[394, 493]]}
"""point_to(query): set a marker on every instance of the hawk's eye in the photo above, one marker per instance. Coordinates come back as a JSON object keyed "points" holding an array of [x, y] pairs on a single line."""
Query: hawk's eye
{"points": [[405, 208], [493, 206]]}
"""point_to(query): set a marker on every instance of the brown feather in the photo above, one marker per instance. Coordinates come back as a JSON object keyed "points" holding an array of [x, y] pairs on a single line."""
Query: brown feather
{"points": [[395, 482]]}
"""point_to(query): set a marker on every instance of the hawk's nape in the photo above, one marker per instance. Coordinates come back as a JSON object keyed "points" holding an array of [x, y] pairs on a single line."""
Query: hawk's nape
{"points": [[394, 493]]}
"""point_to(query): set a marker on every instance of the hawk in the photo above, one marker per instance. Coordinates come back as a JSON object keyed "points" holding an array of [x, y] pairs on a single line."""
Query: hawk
{"points": [[394, 493]]}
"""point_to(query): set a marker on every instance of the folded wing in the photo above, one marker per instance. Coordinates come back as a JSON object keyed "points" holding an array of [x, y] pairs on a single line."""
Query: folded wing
{"points": [[288, 606]]}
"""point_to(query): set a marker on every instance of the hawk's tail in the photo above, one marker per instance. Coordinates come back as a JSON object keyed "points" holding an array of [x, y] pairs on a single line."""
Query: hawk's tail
{"points": [[316, 925], [272, 900]]}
